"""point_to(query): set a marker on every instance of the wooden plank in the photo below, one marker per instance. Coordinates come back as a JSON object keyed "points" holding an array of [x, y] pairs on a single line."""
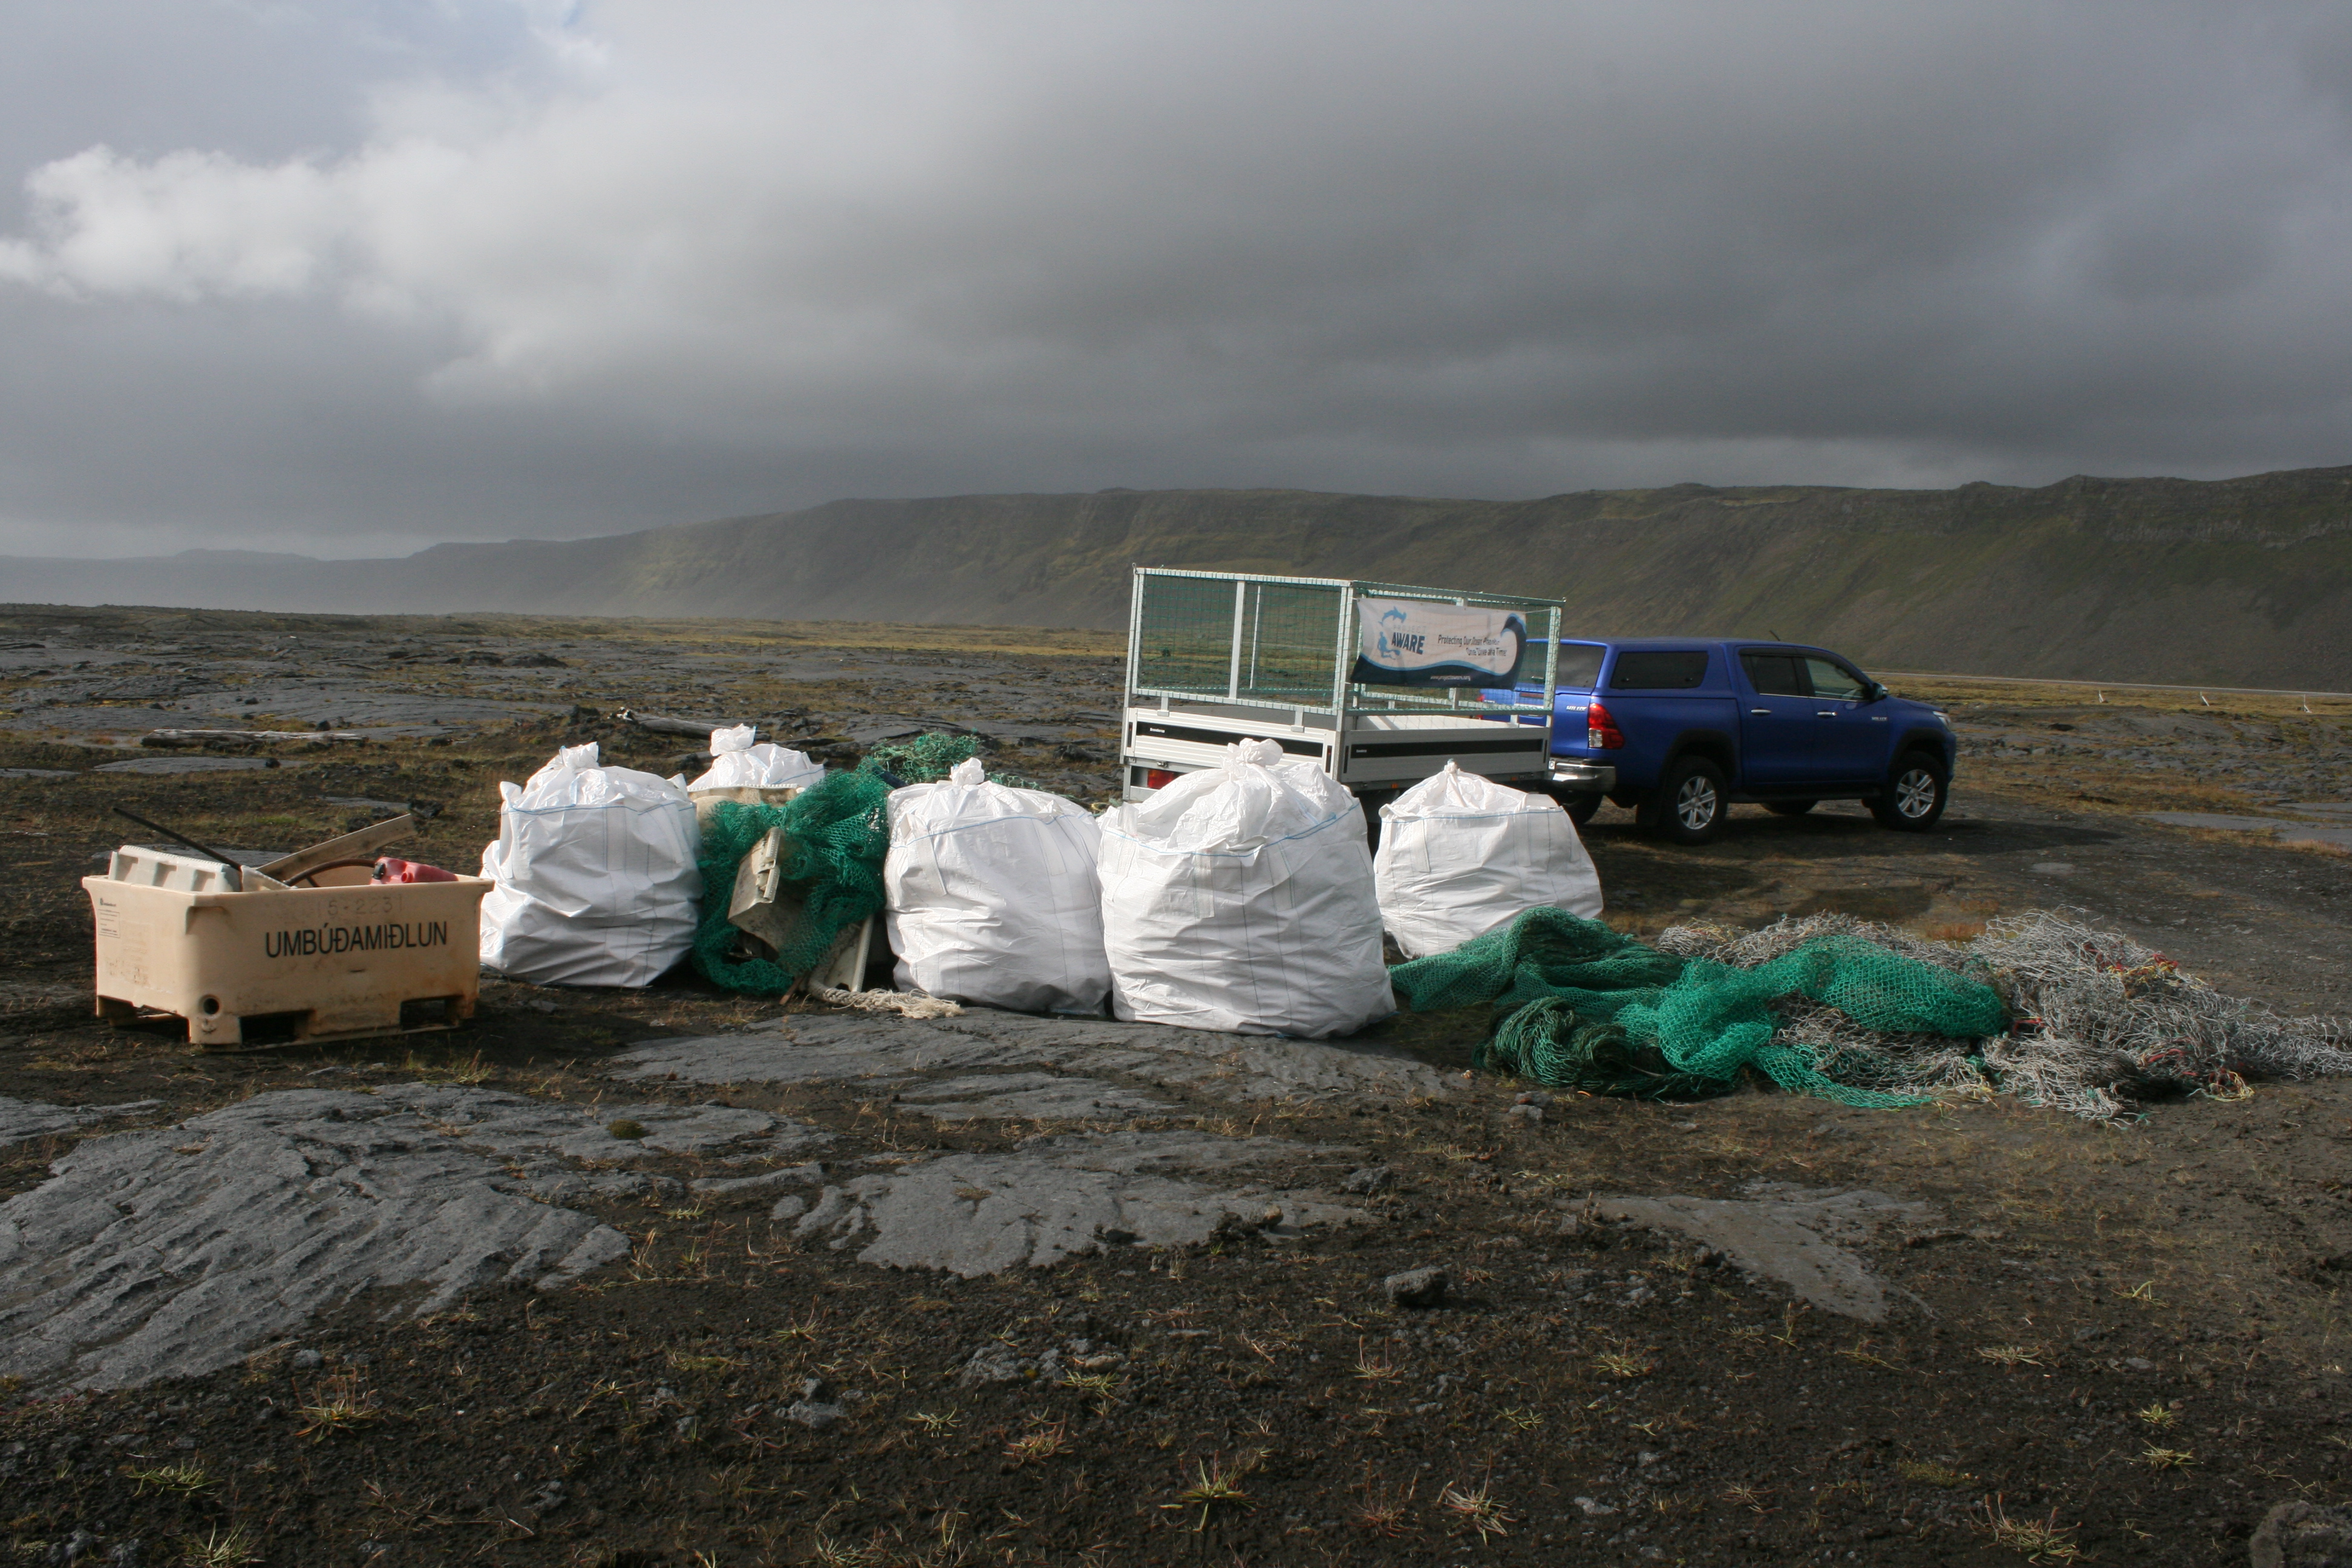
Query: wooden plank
{"points": [[359, 846]]}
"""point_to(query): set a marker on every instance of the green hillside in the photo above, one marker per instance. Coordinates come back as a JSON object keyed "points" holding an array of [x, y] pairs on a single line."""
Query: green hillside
{"points": [[2235, 582]]}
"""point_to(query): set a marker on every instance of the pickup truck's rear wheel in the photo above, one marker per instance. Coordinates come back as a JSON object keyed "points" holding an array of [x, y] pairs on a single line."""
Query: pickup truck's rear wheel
{"points": [[1914, 797], [1579, 807], [1790, 807], [1689, 805]]}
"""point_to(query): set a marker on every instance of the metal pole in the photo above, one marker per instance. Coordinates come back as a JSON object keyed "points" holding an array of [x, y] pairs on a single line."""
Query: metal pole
{"points": [[1233, 666], [1257, 630], [1346, 650], [1135, 636]]}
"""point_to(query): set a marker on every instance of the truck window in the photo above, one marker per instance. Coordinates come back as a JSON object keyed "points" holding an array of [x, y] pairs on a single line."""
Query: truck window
{"points": [[1774, 673], [1580, 664], [1833, 679], [1671, 669]]}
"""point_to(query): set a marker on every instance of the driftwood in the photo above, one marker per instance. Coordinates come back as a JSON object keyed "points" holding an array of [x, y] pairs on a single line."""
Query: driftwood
{"points": [[215, 737], [698, 727], [351, 848]]}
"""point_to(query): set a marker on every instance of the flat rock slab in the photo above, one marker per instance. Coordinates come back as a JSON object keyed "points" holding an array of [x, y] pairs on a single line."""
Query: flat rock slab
{"points": [[187, 765], [2302, 1535], [1041, 1096], [2297, 832], [840, 1047], [1802, 1237], [1052, 1198], [39, 774], [21, 1120], [169, 1252]]}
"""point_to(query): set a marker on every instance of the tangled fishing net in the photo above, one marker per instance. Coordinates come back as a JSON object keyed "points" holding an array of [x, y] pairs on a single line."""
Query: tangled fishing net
{"points": [[928, 758], [2041, 1007], [835, 836]]}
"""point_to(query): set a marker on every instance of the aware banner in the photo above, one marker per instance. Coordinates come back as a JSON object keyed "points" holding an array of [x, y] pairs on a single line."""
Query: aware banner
{"points": [[1409, 642]]}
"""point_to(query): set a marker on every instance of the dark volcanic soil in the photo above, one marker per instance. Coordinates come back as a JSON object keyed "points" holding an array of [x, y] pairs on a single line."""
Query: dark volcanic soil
{"points": [[2127, 1338]]}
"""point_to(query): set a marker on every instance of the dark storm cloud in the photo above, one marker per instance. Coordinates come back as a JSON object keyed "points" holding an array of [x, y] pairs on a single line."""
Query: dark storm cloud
{"points": [[523, 271]]}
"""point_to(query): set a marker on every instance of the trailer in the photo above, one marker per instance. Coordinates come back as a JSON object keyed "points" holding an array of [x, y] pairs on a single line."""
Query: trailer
{"points": [[1378, 683]]}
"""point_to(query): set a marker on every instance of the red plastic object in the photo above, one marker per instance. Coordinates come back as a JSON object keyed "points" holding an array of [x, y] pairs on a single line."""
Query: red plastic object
{"points": [[1601, 731], [390, 870]]}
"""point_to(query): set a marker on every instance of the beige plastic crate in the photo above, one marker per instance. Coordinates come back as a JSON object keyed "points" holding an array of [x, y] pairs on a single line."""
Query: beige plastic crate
{"points": [[292, 964]]}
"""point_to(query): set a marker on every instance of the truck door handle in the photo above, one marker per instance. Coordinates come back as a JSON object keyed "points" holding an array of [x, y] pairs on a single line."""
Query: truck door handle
{"points": [[1825, 713], [1766, 712]]}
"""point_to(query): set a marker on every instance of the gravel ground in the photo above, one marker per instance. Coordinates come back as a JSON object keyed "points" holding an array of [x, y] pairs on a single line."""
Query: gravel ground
{"points": [[670, 1277]]}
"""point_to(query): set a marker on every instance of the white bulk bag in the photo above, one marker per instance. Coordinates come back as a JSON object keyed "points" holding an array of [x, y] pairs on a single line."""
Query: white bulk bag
{"points": [[1461, 855], [595, 873], [1240, 898], [990, 896], [736, 763]]}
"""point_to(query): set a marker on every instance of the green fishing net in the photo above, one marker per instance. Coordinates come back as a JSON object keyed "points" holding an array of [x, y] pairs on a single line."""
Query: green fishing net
{"points": [[835, 836], [928, 758], [1589, 1008]]}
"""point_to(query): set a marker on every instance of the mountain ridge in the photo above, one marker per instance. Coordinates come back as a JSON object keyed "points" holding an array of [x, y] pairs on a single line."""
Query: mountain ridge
{"points": [[2241, 581]]}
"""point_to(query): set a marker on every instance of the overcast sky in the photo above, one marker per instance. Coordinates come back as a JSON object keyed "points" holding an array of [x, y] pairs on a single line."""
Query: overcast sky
{"points": [[351, 276]]}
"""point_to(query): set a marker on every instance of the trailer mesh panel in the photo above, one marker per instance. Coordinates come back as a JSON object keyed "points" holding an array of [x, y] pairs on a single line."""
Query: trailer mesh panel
{"points": [[1288, 650]]}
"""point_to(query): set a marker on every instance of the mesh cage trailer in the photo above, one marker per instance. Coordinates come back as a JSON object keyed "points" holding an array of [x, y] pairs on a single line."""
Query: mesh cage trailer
{"points": [[1379, 683]]}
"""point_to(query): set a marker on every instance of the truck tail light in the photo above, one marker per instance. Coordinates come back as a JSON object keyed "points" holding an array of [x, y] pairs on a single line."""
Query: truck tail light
{"points": [[1601, 731], [1160, 778]]}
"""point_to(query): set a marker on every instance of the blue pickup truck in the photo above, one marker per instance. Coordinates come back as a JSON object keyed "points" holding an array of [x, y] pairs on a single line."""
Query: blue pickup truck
{"points": [[1679, 728]]}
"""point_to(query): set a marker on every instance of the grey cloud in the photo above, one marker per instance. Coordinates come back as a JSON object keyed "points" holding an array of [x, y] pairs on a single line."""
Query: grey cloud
{"points": [[749, 257]]}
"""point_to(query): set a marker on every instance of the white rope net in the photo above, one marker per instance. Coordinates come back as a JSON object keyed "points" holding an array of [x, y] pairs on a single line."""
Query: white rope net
{"points": [[2103, 1022]]}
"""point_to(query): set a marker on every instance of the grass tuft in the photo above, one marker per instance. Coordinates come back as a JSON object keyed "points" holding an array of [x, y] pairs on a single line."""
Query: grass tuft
{"points": [[2041, 1540], [1626, 1361], [215, 1549], [1478, 1510], [1040, 1442], [1213, 1487], [344, 1410], [1385, 1512], [1929, 1474], [179, 1480]]}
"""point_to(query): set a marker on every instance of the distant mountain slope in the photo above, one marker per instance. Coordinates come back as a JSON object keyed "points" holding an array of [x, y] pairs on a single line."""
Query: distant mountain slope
{"points": [[2237, 581]]}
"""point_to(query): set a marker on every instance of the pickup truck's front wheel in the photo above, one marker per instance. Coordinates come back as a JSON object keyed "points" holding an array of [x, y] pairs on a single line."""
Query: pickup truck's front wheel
{"points": [[1689, 804], [1913, 797]]}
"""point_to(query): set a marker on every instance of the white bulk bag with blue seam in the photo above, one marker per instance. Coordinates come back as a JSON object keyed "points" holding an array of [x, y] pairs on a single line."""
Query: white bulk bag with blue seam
{"points": [[1461, 855], [990, 895], [1240, 898], [596, 877]]}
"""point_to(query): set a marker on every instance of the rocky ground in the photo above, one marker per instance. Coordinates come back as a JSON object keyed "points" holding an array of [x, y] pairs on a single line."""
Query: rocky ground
{"points": [[671, 1277]]}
